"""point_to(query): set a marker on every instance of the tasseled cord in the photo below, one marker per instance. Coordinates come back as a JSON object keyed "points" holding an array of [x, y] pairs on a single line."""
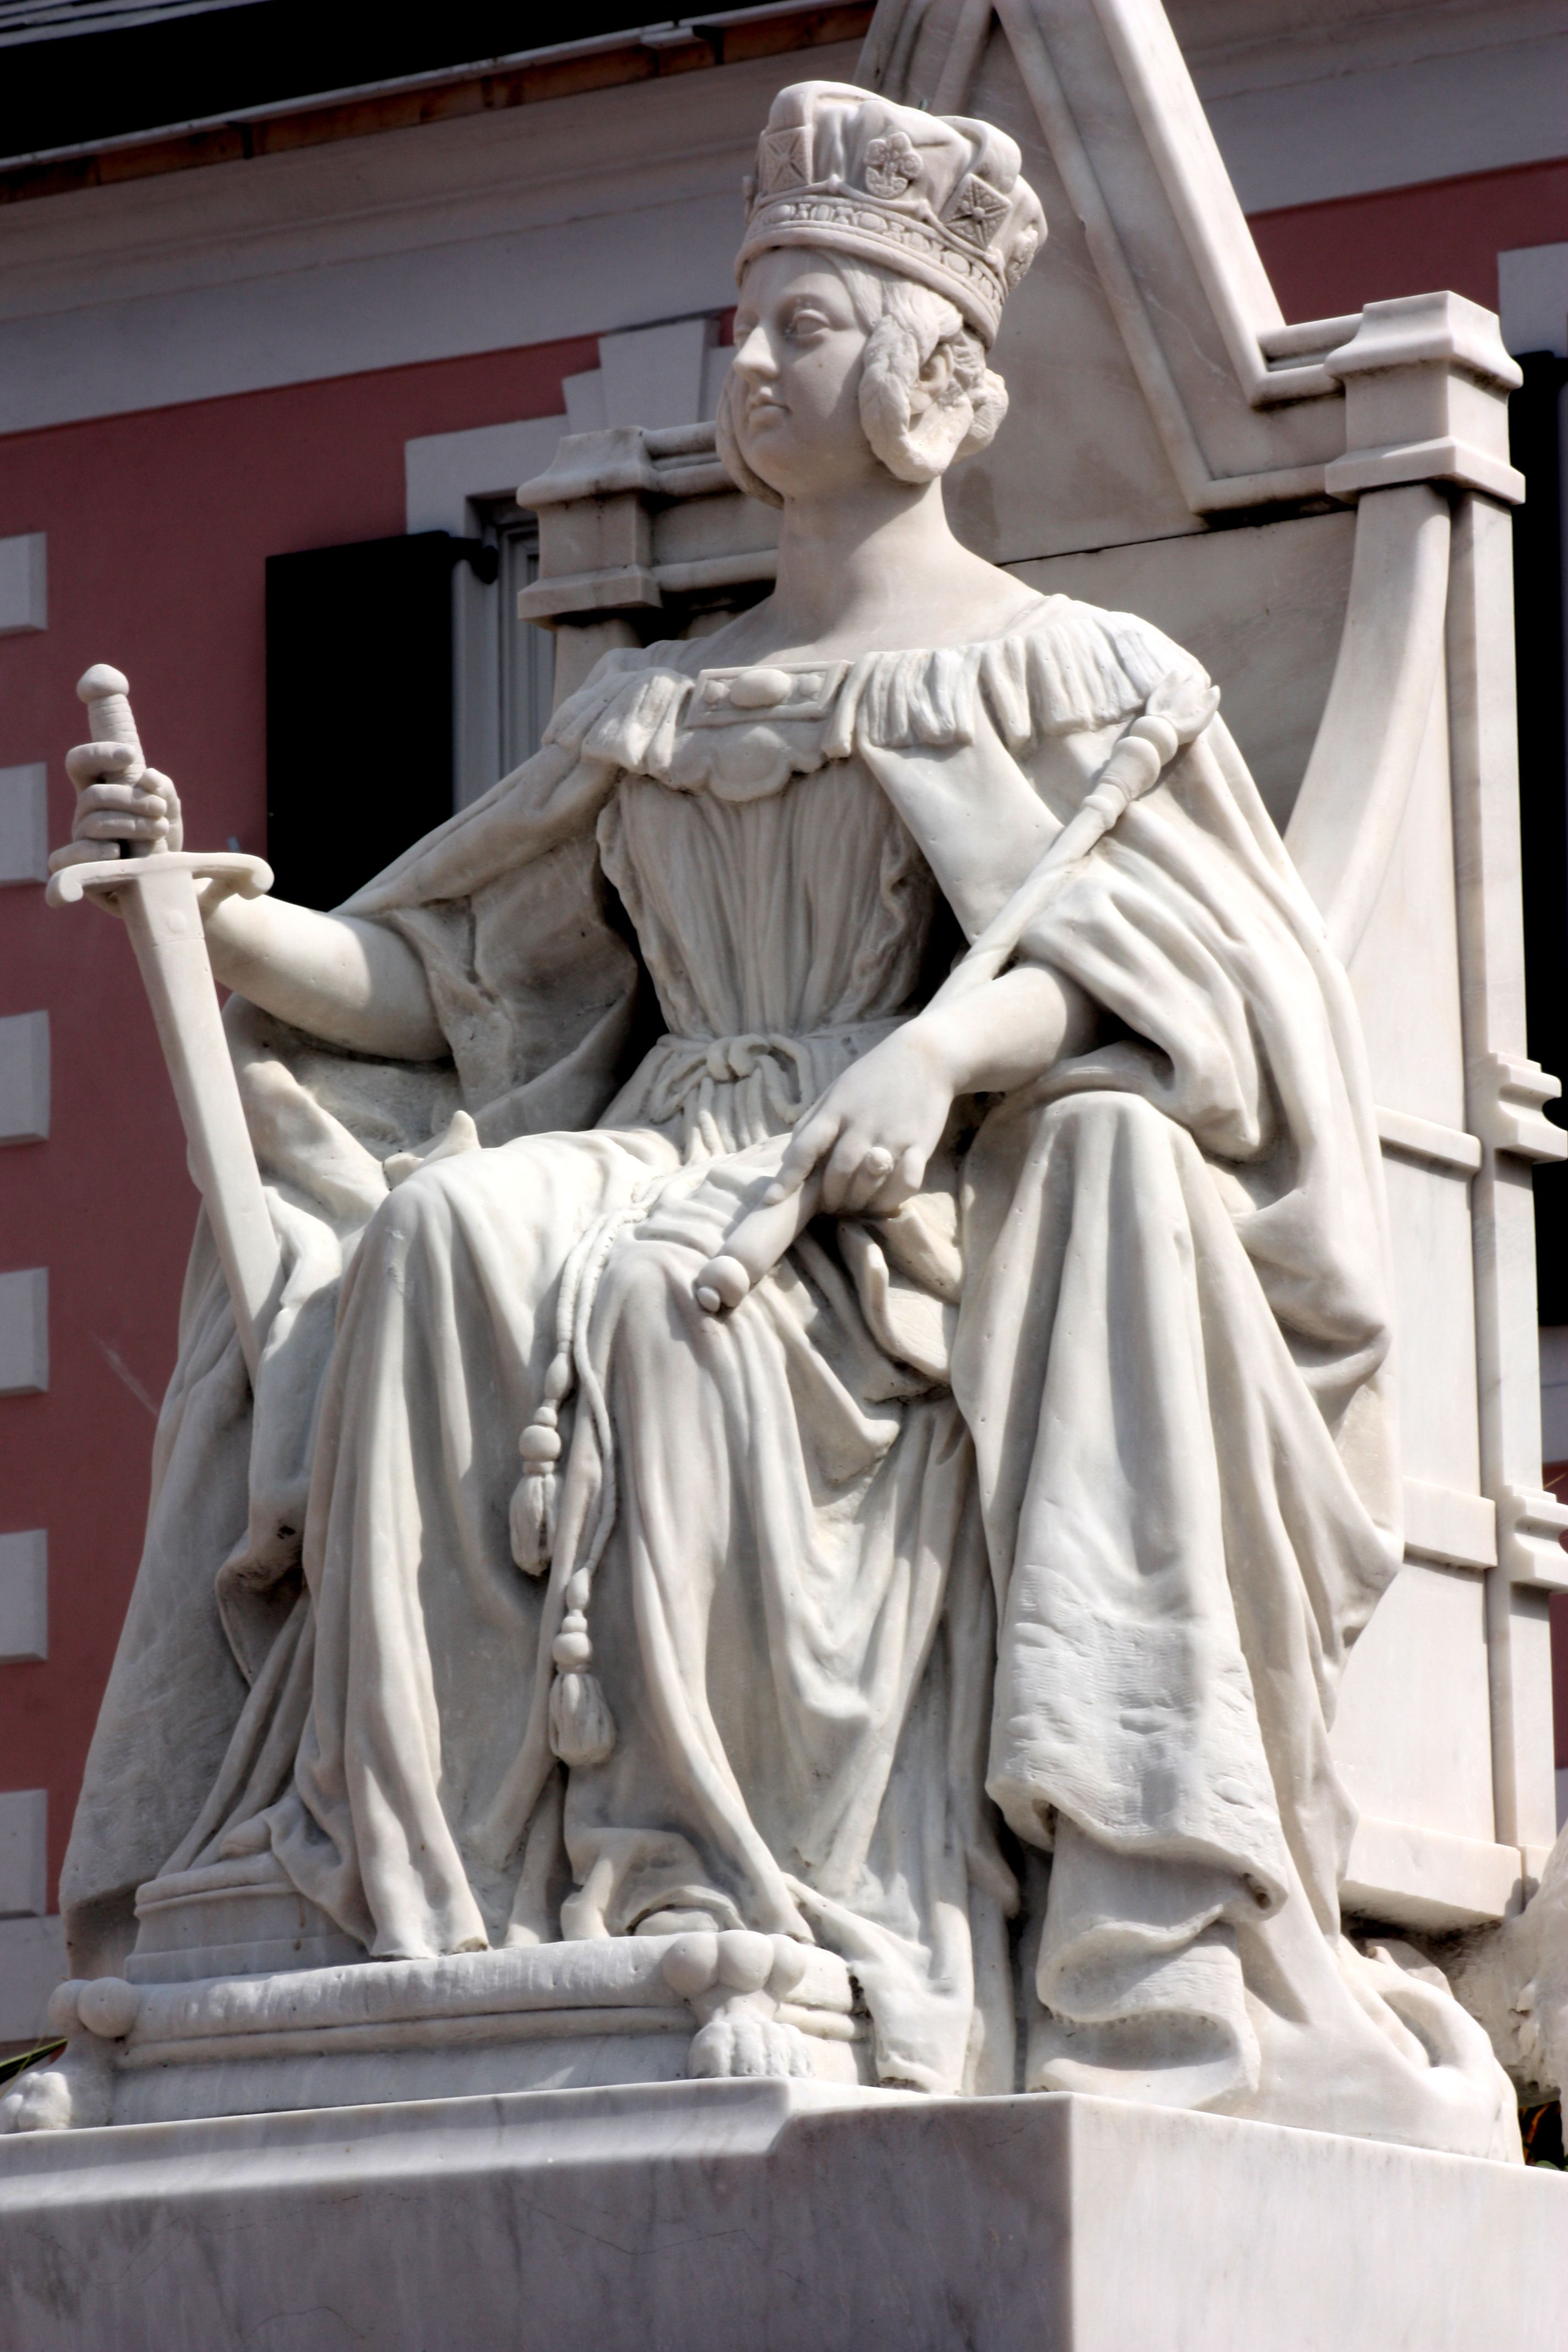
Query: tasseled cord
{"points": [[582, 1728], [535, 1499]]}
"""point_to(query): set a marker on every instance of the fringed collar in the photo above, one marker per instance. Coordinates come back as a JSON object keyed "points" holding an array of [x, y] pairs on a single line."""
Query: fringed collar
{"points": [[742, 733]]}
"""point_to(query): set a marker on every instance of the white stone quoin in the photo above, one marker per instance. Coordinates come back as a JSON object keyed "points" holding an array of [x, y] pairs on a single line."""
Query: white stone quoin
{"points": [[24, 1834], [23, 1595], [25, 1331], [24, 583], [24, 824], [23, 1077]]}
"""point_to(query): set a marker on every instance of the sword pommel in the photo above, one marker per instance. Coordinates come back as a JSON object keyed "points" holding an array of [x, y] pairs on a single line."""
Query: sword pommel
{"points": [[107, 694], [101, 680]]}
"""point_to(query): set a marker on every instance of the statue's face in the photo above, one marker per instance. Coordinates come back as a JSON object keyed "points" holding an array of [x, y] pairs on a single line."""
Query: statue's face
{"points": [[798, 355]]}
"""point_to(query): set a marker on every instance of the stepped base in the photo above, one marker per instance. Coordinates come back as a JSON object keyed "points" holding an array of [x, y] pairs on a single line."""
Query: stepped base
{"points": [[238, 1917], [777, 2216], [624, 2008]]}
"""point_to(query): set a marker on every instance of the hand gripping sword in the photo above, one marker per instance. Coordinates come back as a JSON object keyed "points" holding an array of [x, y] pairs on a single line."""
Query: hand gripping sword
{"points": [[157, 892]]}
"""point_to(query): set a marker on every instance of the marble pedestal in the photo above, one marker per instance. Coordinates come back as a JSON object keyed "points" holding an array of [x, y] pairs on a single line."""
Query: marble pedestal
{"points": [[771, 2216], [152, 2049]]}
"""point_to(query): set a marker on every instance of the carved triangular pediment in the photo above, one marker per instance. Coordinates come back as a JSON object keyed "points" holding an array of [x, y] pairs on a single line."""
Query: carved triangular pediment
{"points": [[1156, 386]]}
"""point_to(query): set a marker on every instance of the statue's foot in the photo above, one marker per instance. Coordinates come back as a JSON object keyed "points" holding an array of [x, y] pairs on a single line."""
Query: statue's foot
{"points": [[678, 1922], [41, 2102], [253, 1836], [76, 2092], [736, 1983], [738, 2041]]}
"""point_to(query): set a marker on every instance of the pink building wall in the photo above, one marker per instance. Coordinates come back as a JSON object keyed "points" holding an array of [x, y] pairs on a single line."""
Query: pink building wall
{"points": [[158, 527]]}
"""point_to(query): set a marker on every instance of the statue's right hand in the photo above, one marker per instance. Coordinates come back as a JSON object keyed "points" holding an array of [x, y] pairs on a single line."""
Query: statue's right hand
{"points": [[114, 804]]}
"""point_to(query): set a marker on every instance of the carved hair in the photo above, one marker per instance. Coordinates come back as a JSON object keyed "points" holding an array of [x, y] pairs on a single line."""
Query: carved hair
{"points": [[917, 433]]}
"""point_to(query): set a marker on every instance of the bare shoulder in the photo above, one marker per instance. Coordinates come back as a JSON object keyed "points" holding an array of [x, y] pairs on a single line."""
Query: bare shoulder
{"points": [[1005, 604]]}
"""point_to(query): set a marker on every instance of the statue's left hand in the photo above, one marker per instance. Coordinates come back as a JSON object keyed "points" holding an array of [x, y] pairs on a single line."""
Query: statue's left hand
{"points": [[873, 1131], [862, 1150]]}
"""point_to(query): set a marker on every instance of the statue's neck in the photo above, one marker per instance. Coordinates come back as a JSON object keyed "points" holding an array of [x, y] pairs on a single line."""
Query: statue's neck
{"points": [[872, 569], [851, 563]]}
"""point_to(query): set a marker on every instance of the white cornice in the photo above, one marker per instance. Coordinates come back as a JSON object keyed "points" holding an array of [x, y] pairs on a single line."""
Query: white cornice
{"points": [[574, 216], [1270, 46]]}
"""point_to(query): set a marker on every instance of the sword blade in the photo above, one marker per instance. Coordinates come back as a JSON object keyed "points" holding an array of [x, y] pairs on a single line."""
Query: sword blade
{"points": [[164, 918]]}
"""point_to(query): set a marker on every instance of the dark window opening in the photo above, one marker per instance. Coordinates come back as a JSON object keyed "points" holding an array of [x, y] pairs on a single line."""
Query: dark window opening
{"points": [[359, 707], [1535, 441]]}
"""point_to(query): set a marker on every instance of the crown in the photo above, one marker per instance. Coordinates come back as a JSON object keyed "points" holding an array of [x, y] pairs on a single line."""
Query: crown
{"points": [[935, 197]]}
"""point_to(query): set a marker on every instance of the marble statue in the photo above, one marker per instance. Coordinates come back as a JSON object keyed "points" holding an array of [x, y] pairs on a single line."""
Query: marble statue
{"points": [[936, 1594]]}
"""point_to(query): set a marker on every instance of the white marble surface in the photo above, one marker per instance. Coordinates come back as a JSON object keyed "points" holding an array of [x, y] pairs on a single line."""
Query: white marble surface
{"points": [[1515, 1977], [698, 2217], [672, 1569], [1263, 610], [1406, 827], [314, 2029]]}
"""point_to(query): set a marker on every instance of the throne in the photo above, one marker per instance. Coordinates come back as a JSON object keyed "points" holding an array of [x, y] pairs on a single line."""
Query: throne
{"points": [[1321, 513]]}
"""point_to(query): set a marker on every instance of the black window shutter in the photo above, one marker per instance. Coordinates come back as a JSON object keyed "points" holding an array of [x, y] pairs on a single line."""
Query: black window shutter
{"points": [[1538, 560], [359, 708]]}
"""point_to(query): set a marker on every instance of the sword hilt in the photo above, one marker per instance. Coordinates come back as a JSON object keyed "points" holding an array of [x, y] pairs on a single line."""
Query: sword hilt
{"points": [[163, 919], [107, 694]]}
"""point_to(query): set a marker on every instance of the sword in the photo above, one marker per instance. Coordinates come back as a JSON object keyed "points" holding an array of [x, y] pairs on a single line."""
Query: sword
{"points": [[157, 891]]}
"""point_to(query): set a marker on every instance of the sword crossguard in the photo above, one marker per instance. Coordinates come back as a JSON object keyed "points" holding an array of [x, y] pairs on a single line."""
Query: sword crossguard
{"points": [[251, 877]]}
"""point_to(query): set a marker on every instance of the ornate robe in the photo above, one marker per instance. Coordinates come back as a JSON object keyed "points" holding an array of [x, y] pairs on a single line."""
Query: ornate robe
{"points": [[973, 1597]]}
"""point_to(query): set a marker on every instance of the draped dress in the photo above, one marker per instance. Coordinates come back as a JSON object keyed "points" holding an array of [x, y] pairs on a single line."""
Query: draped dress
{"points": [[972, 1598]]}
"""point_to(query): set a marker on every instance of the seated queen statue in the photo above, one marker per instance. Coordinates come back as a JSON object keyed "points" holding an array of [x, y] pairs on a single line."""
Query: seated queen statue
{"points": [[831, 1395]]}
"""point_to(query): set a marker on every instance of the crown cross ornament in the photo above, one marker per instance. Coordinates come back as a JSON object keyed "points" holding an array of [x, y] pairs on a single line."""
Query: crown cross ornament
{"points": [[891, 166]]}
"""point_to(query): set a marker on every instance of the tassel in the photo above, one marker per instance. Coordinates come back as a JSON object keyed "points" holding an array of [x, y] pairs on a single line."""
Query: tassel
{"points": [[582, 1728], [533, 1518], [536, 1496]]}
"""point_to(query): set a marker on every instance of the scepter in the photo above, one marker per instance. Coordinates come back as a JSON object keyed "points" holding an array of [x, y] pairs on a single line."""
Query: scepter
{"points": [[157, 893], [1176, 714]]}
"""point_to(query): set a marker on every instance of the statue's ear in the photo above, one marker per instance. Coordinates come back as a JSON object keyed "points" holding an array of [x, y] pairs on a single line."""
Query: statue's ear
{"points": [[932, 382]]}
